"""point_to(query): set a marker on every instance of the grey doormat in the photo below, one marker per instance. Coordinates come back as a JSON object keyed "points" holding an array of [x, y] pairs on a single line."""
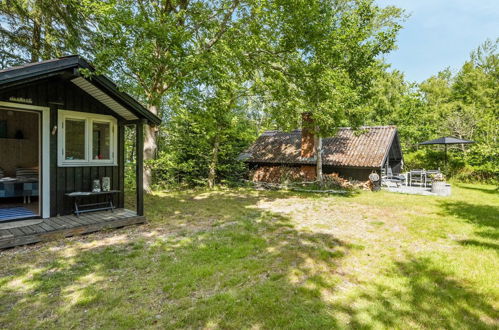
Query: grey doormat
{"points": [[22, 223]]}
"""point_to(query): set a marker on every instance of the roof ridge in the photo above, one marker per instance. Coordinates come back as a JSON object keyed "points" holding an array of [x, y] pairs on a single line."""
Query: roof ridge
{"points": [[341, 127]]}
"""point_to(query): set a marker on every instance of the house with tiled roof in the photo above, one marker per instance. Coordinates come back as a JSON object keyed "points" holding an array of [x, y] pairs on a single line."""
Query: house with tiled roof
{"points": [[351, 153]]}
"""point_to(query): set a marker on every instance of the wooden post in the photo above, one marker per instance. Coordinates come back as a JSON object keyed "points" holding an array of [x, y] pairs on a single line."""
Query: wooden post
{"points": [[318, 148], [139, 167], [121, 165]]}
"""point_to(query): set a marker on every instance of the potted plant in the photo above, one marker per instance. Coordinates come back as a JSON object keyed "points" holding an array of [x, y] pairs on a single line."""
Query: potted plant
{"points": [[438, 185]]}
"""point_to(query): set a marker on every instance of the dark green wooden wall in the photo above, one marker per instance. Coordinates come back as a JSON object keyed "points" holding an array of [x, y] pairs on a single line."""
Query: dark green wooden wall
{"points": [[58, 93]]}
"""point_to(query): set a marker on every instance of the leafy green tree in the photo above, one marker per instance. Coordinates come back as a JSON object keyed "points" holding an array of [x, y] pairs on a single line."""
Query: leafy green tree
{"points": [[214, 112], [34, 30], [154, 47], [394, 101], [192, 135], [323, 57]]}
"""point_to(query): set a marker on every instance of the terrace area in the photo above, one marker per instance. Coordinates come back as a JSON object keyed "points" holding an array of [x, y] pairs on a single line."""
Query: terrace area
{"points": [[42, 230]]}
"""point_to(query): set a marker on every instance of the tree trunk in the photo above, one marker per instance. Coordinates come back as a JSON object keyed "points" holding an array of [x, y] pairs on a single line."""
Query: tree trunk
{"points": [[318, 155], [36, 40], [150, 146], [212, 174]]}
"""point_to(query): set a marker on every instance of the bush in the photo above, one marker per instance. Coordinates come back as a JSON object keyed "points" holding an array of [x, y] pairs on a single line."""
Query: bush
{"points": [[475, 165], [485, 174], [425, 158]]}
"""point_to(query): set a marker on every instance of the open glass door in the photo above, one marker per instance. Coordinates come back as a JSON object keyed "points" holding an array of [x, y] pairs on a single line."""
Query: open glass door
{"points": [[20, 132]]}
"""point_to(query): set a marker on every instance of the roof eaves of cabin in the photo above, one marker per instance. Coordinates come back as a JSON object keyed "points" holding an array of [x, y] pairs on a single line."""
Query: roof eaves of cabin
{"points": [[46, 68]]}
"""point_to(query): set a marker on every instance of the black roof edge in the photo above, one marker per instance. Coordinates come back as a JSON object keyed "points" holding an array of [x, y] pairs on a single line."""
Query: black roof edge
{"points": [[34, 69], [75, 61]]}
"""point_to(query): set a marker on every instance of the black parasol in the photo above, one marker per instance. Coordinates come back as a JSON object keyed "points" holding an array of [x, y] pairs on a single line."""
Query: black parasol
{"points": [[445, 141]]}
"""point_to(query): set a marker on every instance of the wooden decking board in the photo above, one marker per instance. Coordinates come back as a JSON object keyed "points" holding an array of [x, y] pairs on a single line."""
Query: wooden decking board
{"points": [[80, 221], [92, 219], [38, 228], [53, 224], [27, 230], [46, 226], [16, 232], [60, 223], [68, 221], [55, 228], [5, 233], [24, 231]]}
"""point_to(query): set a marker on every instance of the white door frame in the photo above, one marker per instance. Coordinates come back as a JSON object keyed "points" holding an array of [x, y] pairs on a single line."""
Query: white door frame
{"points": [[45, 152]]}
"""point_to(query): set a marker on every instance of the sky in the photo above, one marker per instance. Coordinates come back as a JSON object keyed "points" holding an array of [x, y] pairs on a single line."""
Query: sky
{"points": [[440, 34]]}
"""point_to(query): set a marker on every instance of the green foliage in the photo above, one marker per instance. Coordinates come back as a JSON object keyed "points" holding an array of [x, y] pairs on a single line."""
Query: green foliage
{"points": [[423, 158], [464, 105], [187, 147], [220, 72], [324, 58], [33, 30], [481, 165], [475, 165]]}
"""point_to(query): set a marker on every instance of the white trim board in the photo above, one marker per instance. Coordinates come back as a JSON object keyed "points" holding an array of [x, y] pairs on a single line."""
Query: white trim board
{"points": [[103, 98], [45, 152]]}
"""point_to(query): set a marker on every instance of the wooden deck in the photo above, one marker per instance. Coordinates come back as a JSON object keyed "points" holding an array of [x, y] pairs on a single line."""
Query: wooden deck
{"points": [[65, 226]]}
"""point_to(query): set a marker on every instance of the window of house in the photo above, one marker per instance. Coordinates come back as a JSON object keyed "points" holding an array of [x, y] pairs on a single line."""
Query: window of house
{"points": [[101, 140], [86, 139], [75, 139]]}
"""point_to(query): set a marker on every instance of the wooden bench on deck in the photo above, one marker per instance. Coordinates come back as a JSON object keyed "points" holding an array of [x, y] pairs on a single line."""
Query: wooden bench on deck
{"points": [[92, 207]]}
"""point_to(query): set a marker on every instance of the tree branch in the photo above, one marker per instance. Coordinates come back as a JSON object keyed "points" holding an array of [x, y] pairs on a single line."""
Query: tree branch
{"points": [[223, 26]]}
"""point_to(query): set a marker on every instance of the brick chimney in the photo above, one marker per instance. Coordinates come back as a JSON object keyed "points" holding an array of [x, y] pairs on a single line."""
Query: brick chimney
{"points": [[307, 136]]}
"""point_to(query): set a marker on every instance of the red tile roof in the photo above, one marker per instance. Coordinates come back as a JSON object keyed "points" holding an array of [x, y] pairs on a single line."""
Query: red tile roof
{"points": [[366, 147]]}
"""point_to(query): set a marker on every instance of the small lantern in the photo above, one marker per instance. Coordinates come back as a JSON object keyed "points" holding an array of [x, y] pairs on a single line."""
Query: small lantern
{"points": [[96, 186], [106, 183]]}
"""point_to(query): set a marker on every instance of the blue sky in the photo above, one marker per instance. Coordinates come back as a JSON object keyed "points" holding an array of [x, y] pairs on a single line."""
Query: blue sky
{"points": [[441, 33]]}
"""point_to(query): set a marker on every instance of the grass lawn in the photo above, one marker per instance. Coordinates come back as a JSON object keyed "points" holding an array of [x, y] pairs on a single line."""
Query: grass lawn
{"points": [[248, 259]]}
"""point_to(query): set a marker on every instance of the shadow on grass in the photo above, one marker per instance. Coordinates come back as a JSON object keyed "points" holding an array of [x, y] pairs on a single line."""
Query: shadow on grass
{"points": [[215, 259], [484, 217], [477, 243], [493, 191], [418, 294], [228, 264]]}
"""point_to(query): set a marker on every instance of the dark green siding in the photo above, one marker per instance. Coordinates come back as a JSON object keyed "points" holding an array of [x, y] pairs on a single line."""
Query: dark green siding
{"points": [[58, 93]]}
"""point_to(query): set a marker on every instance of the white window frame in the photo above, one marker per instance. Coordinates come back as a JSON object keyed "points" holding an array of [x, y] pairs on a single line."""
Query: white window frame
{"points": [[45, 152], [89, 118]]}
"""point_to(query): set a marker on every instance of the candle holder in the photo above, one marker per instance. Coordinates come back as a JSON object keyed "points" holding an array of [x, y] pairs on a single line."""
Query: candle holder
{"points": [[106, 183], [96, 186]]}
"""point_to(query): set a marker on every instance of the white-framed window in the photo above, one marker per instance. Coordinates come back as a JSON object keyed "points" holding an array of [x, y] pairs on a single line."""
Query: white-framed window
{"points": [[86, 139]]}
